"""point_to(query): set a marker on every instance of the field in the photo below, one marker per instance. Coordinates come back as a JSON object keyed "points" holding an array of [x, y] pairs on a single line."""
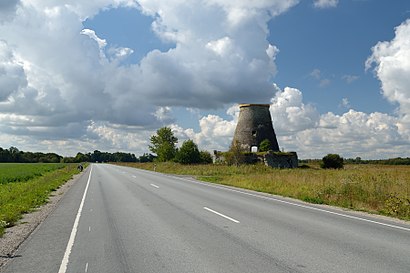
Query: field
{"points": [[24, 187], [378, 189]]}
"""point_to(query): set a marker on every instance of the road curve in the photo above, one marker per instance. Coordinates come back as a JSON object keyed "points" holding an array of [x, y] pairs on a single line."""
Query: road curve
{"points": [[118, 219]]}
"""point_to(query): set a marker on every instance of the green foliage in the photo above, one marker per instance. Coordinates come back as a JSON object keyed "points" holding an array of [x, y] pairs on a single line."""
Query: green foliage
{"points": [[235, 155], [332, 161], [23, 196], [206, 157], [188, 153], [163, 144], [14, 155], [265, 145], [146, 158]]}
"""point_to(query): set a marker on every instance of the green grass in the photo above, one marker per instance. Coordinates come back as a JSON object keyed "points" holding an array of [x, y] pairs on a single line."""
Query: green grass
{"points": [[376, 189], [21, 172], [28, 186]]}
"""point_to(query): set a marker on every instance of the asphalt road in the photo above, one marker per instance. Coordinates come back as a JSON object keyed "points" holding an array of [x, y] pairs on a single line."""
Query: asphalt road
{"points": [[118, 219]]}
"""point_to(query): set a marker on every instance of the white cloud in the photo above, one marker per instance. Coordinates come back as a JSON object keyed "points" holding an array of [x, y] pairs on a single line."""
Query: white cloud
{"points": [[317, 75], [301, 128], [290, 114], [323, 4], [345, 103], [391, 60], [12, 74], [350, 78], [61, 85], [56, 77]]}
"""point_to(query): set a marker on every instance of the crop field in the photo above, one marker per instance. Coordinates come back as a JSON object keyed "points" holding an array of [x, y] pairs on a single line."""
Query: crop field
{"points": [[24, 187], [378, 189], [20, 172]]}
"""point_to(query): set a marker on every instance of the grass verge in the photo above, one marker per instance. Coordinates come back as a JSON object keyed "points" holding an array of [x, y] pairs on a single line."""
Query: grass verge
{"points": [[19, 197], [378, 189]]}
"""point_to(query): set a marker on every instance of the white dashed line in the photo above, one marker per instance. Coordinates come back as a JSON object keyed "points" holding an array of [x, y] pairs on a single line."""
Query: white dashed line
{"points": [[155, 186], [86, 268], [222, 215]]}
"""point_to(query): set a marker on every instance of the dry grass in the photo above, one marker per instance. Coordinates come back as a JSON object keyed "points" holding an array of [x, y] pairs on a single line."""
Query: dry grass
{"points": [[377, 189]]}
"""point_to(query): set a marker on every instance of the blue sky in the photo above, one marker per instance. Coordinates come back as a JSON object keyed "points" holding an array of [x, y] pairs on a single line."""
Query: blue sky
{"points": [[104, 74]]}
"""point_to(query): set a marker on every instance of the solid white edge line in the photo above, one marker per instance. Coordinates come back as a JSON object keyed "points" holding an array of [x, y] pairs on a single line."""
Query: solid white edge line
{"points": [[281, 201], [64, 262], [222, 215], [155, 186], [299, 205]]}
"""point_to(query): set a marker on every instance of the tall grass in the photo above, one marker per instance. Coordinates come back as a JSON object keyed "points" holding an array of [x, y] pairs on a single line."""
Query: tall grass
{"points": [[373, 188], [25, 193]]}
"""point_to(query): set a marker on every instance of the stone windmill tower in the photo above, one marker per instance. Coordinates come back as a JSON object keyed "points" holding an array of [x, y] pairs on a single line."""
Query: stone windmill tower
{"points": [[254, 126]]}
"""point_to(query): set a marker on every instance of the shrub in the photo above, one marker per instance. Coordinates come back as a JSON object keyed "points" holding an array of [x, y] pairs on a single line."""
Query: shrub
{"points": [[206, 157], [332, 161], [264, 146], [188, 153]]}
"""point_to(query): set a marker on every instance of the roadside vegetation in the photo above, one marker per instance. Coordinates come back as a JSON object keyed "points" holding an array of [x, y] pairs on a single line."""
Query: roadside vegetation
{"points": [[378, 189], [24, 187]]}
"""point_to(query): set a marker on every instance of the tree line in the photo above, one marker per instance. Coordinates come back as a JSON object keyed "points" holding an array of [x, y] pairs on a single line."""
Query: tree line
{"points": [[14, 155]]}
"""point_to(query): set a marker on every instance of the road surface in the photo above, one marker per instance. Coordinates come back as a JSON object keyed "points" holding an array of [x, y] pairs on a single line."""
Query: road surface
{"points": [[118, 219]]}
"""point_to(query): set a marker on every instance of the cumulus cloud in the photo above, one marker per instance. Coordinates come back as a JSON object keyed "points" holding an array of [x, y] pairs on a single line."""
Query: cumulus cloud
{"points": [[290, 114], [12, 74], [323, 4], [67, 75], [301, 128], [391, 61]]}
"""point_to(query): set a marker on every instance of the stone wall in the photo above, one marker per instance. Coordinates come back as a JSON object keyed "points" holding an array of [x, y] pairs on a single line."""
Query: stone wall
{"points": [[281, 160]]}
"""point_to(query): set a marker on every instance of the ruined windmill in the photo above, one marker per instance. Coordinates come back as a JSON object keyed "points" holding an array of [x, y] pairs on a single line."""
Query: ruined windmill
{"points": [[254, 126]]}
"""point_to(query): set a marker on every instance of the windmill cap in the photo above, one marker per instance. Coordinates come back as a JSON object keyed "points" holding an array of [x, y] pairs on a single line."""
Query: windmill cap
{"points": [[253, 104]]}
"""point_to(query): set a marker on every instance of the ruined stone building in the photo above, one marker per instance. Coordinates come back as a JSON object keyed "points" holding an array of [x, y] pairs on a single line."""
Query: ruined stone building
{"points": [[254, 126]]}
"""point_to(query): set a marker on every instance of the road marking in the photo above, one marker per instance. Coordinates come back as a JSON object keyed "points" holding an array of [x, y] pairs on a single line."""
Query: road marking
{"points": [[155, 186], [64, 262], [134, 176], [281, 201], [222, 215], [86, 268], [297, 205], [89, 229]]}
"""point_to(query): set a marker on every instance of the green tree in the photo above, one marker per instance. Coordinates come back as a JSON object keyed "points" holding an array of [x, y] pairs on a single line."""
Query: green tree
{"points": [[332, 161], [163, 144], [206, 157], [264, 146], [235, 155], [188, 153]]}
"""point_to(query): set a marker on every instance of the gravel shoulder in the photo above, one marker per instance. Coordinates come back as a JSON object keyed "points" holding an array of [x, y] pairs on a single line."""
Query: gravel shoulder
{"points": [[15, 236]]}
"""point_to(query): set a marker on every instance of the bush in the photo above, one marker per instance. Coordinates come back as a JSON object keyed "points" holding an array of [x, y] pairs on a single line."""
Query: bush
{"points": [[235, 155], [332, 161], [206, 157], [188, 153], [264, 146]]}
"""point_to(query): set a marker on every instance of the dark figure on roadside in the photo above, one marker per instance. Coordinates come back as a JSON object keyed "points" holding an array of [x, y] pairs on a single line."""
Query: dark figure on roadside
{"points": [[80, 167]]}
